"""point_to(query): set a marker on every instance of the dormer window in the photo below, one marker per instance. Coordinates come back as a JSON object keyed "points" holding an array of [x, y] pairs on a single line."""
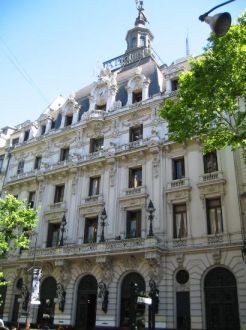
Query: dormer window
{"points": [[68, 120], [136, 96], [101, 107], [15, 141], [43, 128], [26, 135], [174, 84], [142, 41]]}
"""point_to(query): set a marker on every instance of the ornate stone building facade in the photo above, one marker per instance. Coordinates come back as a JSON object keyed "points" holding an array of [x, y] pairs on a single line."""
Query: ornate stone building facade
{"points": [[90, 165]]}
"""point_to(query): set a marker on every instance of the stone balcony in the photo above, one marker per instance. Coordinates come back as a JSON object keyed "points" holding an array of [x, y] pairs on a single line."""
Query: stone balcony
{"points": [[178, 184], [178, 190], [132, 145], [135, 190], [213, 176], [24, 175], [92, 249]]}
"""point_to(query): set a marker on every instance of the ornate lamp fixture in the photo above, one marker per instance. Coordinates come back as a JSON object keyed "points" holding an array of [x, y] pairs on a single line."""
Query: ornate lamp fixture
{"points": [[150, 210], [62, 228], [219, 23], [103, 217]]}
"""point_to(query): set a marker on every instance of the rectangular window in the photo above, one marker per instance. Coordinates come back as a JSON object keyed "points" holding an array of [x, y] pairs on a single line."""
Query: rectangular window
{"points": [[20, 168], [133, 224], [136, 96], [135, 177], [179, 221], [31, 199], [96, 144], [64, 155], [68, 120], [43, 128], [214, 216], [94, 186], [1, 162], [90, 234], [37, 163], [53, 124], [15, 141], [174, 84], [26, 135], [210, 162], [178, 168], [136, 133], [53, 234], [59, 194]]}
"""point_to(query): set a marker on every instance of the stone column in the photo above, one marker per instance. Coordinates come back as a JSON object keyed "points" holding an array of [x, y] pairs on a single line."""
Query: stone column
{"points": [[48, 125], [111, 98], [168, 86], [75, 116], [63, 120], [145, 91], [129, 96]]}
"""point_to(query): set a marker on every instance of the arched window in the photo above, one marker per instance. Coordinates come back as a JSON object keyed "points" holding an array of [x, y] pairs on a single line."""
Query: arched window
{"points": [[86, 303], [132, 314], [47, 306], [221, 300]]}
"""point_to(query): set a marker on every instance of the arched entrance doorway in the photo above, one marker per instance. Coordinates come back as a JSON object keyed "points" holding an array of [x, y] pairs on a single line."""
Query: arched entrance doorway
{"points": [[47, 306], [132, 314], [221, 300], [86, 303]]}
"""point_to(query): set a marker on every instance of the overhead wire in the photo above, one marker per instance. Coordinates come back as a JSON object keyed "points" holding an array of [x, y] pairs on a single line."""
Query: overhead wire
{"points": [[19, 67]]}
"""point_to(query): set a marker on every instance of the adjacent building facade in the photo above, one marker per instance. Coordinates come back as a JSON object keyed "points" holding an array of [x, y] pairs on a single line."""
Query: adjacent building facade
{"points": [[124, 212]]}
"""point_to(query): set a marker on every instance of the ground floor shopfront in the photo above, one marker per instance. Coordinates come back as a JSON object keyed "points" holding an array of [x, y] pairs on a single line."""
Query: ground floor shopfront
{"points": [[193, 291]]}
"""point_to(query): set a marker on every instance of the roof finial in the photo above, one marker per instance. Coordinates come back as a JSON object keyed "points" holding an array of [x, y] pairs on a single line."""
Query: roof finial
{"points": [[141, 19]]}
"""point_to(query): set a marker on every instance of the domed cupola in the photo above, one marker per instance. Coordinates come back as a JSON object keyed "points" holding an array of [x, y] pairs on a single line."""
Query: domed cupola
{"points": [[139, 36]]}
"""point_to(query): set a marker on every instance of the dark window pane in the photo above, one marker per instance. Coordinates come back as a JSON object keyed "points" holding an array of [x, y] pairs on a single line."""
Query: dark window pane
{"points": [[135, 177], [90, 233], [133, 225], [214, 216], [179, 221], [136, 133], [178, 168], [59, 194], [136, 97], [96, 144], [210, 162], [53, 234], [94, 186], [37, 164]]}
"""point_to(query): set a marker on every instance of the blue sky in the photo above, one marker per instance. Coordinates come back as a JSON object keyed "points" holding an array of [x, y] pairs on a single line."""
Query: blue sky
{"points": [[53, 47]]}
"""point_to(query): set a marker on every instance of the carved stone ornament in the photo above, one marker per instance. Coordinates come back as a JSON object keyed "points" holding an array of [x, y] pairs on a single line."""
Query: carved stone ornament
{"points": [[153, 261], [180, 259], [86, 265], [105, 268], [131, 262], [103, 295], [61, 296], [216, 256]]}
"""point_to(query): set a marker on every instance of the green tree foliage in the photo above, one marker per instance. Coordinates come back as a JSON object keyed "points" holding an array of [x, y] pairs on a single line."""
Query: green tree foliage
{"points": [[16, 221], [208, 96]]}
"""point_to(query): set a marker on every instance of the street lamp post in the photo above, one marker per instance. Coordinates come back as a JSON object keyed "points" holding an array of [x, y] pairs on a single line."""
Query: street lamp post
{"points": [[34, 234], [62, 228], [103, 217], [151, 210], [219, 23]]}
